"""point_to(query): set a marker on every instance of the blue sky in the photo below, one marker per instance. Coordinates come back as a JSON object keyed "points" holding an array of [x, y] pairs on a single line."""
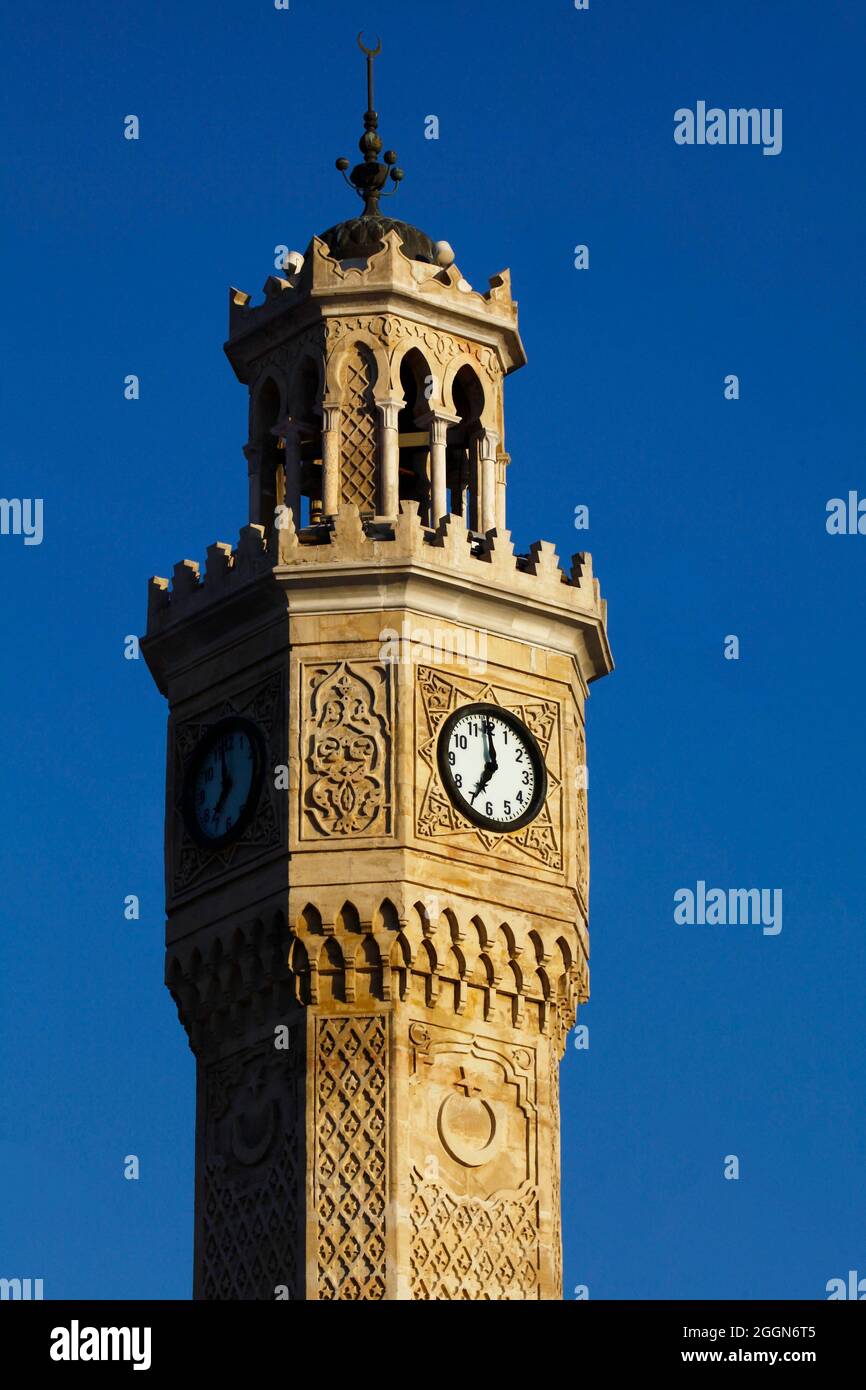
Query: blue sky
{"points": [[707, 518]]}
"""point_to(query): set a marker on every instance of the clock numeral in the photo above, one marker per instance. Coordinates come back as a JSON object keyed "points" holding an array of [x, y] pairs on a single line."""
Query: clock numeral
{"points": [[462, 741], [489, 808], [458, 780], [518, 756], [452, 758], [508, 808], [525, 778]]}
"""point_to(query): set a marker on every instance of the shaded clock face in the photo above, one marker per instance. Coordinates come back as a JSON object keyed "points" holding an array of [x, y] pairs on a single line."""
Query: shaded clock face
{"points": [[223, 782], [492, 767]]}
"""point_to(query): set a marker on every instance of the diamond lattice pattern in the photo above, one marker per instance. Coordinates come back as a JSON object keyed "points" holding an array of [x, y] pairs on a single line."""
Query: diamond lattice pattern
{"points": [[351, 1157], [471, 1249], [251, 1235], [358, 447]]}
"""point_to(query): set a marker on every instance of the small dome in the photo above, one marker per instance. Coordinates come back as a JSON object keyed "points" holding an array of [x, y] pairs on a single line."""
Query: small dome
{"points": [[361, 236]]}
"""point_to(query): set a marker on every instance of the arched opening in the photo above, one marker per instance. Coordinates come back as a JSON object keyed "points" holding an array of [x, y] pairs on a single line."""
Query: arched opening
{"points": [[268, 491], [462, 461], [305, 411], [348, 919], [413, 439], [332, 971], [387, 918]]}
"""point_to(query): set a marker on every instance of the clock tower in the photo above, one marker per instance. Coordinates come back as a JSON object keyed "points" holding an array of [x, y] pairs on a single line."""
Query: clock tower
{"points": [[376, 855]]}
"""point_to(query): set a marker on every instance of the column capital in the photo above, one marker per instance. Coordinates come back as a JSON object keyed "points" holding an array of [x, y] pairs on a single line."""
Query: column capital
{"points": [[389, 407], [488, 440], [439, 421], [289, 429], [253, 456]]}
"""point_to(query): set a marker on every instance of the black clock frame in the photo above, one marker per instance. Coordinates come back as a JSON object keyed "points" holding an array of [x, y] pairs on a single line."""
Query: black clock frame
{"points": [[539, 794], [232, 723]]}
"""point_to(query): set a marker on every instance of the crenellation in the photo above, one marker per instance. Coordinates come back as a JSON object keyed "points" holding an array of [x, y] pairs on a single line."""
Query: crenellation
{"points": [[158, 598], [185, 579], [251, 546], [220, 561], [351, 541], [223, 566], [275, 286]]}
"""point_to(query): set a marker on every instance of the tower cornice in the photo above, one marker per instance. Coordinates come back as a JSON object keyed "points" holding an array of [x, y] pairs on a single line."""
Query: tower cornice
{"points": [[389, 283], [447, 573]]}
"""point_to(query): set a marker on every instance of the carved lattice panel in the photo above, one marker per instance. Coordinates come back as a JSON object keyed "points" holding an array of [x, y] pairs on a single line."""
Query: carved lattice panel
{"points": [[464, 1248], [253, 1177], [358, 446], [351, 1165], [346, 765]]}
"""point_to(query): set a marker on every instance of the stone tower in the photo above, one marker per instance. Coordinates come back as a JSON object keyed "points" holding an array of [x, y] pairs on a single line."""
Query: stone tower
{"points": [[376, 831]]}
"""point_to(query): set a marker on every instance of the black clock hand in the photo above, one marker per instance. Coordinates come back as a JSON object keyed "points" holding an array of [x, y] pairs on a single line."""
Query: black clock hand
{"points": [[225, 784], [485, 777], [491, 749], [489, 769], [490, 764]]}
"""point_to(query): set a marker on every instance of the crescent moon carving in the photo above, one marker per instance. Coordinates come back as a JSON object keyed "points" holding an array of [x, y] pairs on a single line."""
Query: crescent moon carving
{"points": [[370, 52], [252, 1134]]}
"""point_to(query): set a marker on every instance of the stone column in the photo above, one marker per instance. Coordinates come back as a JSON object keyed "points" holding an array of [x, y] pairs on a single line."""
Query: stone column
{"points": [[487, 450], [438, 422], [502, 462], [474, 484], [253, 455], [389, 456], [331, 423], [289, 431]]}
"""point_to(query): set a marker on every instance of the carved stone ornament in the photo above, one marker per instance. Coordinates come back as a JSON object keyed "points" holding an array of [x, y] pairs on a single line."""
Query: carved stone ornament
{"points": [[393, 332], [474, 1205], [346, 750], [253, 1177], [351, 1158]]}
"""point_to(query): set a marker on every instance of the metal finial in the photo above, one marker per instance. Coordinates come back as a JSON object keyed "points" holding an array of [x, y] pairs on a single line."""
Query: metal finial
{"points": [[371, 54], [369, 179]]}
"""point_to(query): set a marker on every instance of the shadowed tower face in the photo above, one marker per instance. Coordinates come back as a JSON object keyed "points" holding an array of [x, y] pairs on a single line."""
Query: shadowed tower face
{"points": [[376, 831]]}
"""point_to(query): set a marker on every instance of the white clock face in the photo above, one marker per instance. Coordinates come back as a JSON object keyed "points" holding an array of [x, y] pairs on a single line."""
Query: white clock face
{"points": [[492, 767], [224, 780]]}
